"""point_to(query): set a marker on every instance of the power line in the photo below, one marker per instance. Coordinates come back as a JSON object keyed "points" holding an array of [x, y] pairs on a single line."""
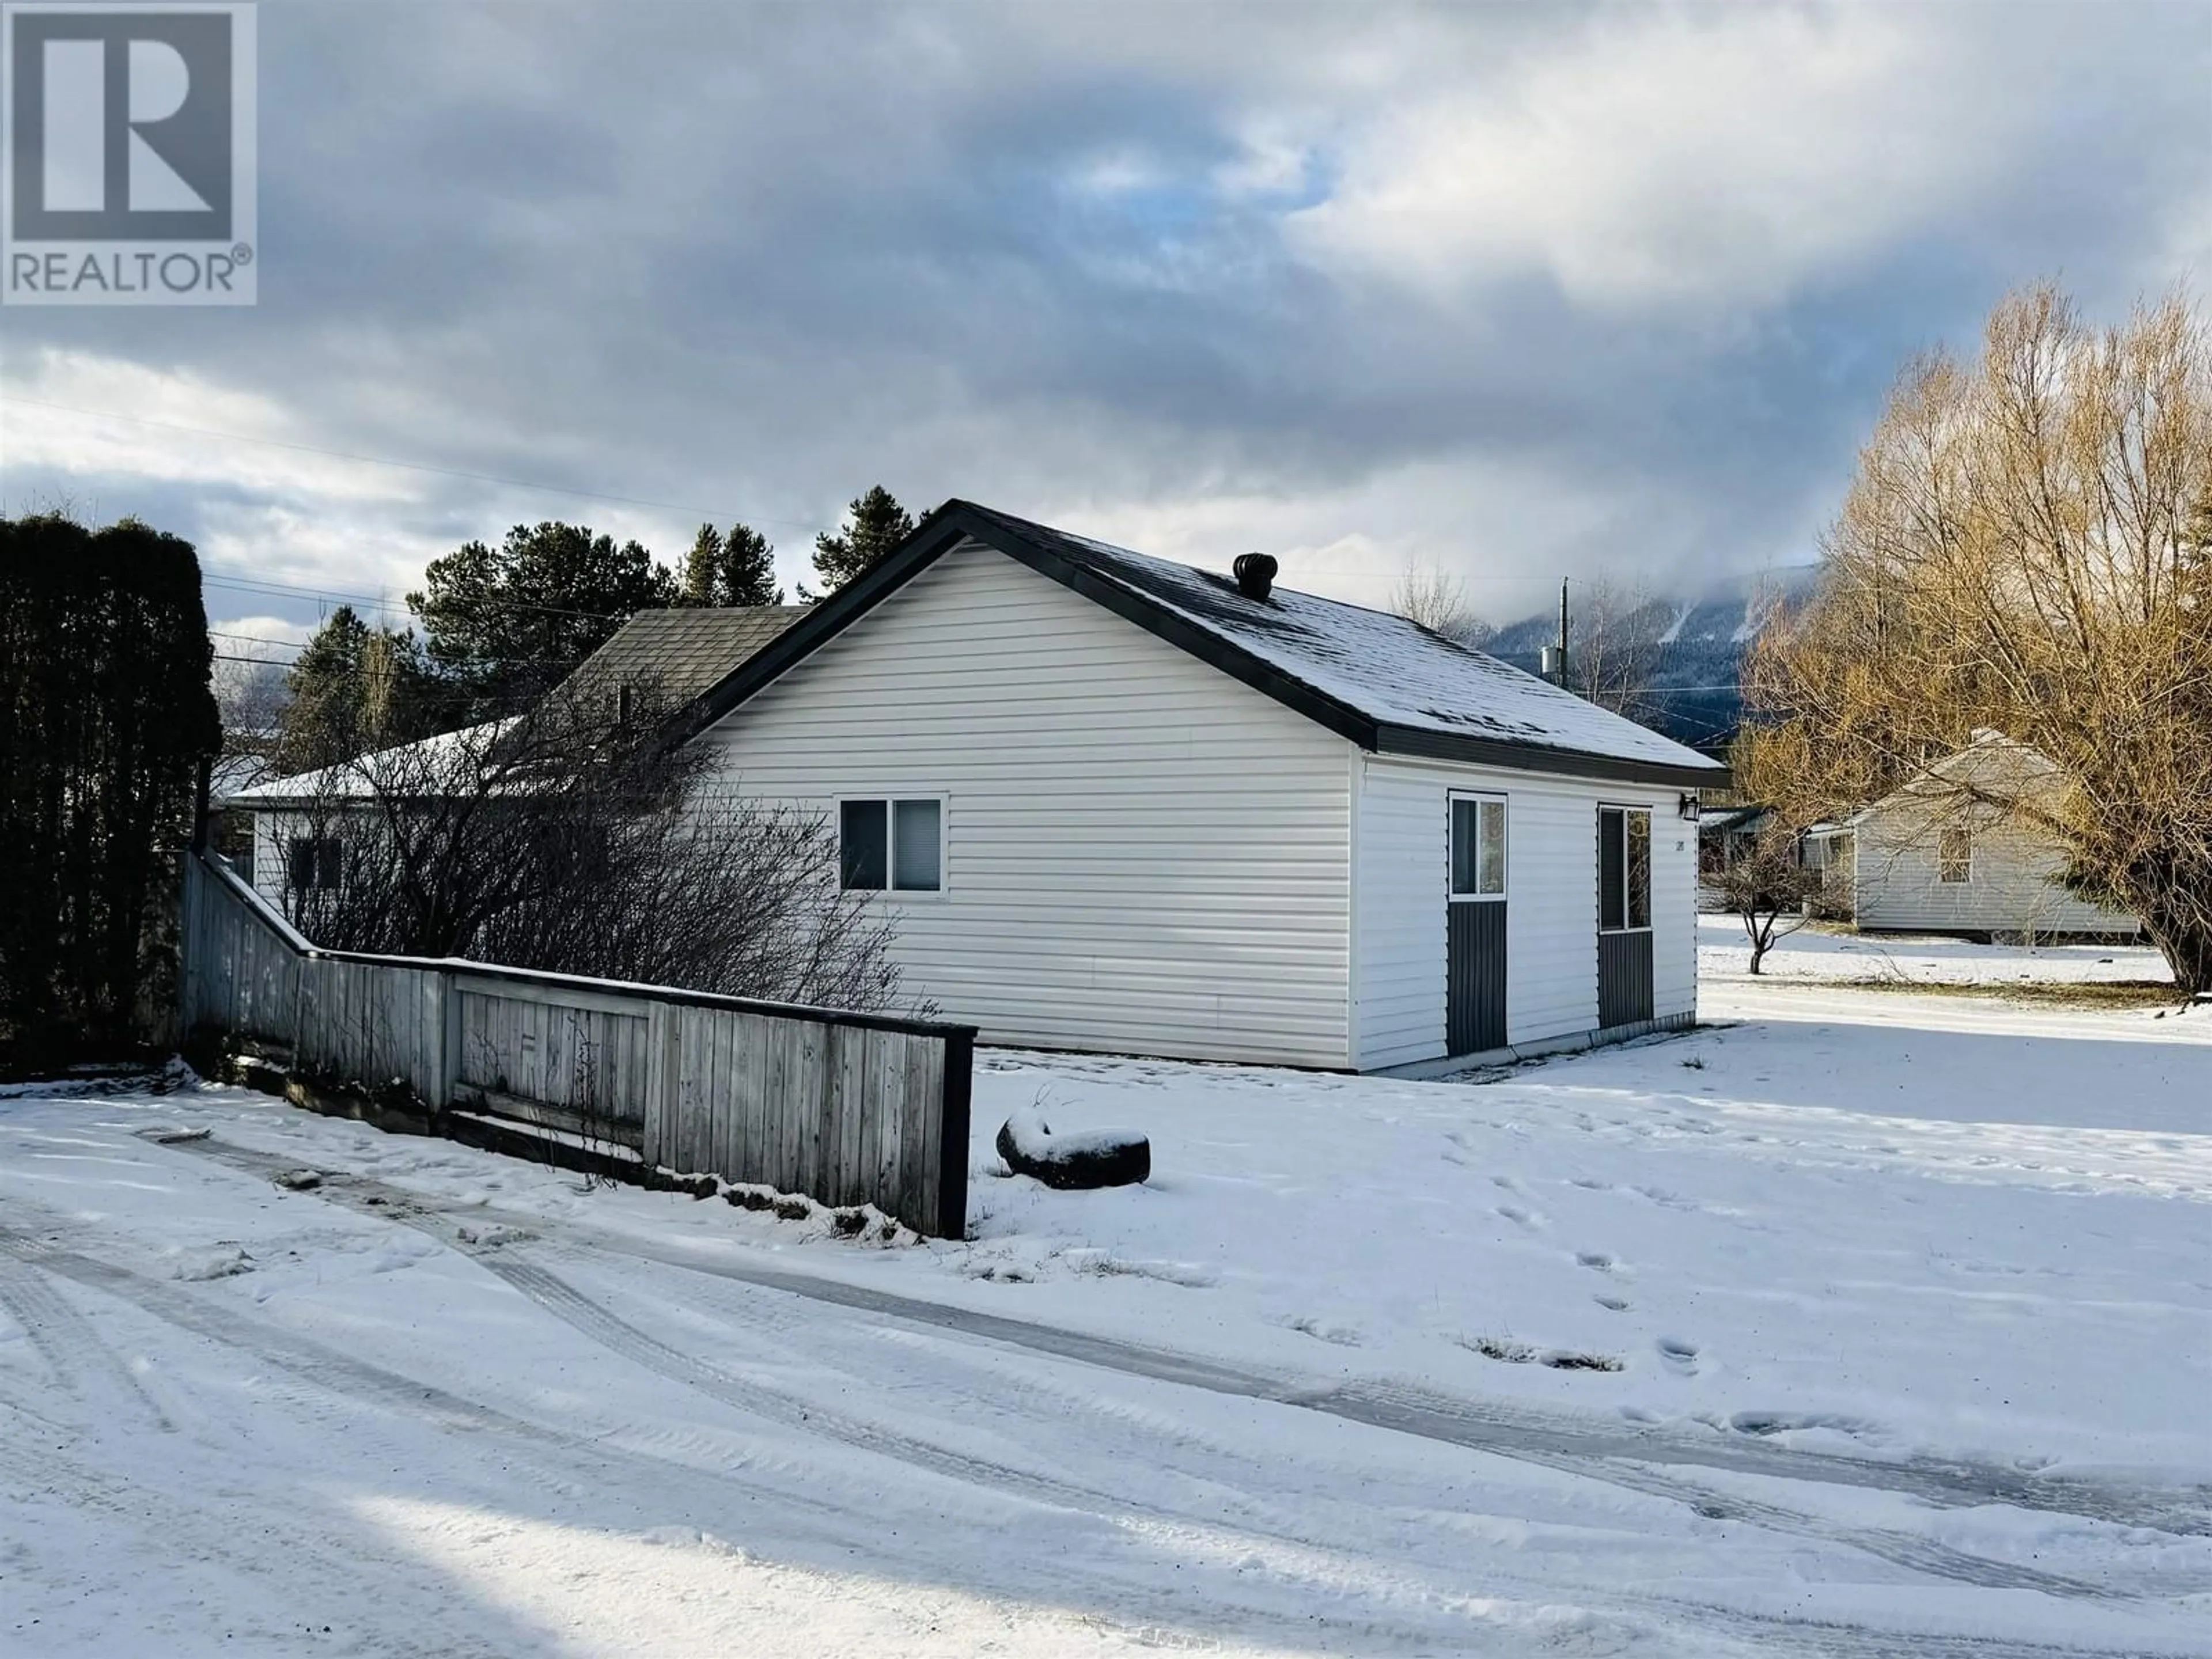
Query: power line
{"points": [[384, 607], [386, 460], [257, 639], [260, 585]]}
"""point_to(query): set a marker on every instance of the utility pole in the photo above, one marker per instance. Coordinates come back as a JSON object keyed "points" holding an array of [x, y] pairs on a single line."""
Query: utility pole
{"points": [[1555, 656]]}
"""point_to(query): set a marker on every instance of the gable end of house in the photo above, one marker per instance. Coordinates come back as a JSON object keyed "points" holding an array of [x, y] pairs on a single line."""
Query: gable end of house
{"points": [[957, 523]]}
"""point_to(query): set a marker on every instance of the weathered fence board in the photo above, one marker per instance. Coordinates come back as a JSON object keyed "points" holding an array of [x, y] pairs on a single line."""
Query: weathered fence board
{"points": [[849, 1109]]}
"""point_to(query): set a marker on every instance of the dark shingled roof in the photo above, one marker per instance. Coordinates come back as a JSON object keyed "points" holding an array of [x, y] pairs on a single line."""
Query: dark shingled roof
{"points": [[681, 655]]}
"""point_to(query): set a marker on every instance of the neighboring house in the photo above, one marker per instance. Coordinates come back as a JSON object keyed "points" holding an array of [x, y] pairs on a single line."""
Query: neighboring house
{"points": [[670, 658], [1948, 853], [231, 774], [1123, 805], [658, 659], [1725, 834], [295, 845]]}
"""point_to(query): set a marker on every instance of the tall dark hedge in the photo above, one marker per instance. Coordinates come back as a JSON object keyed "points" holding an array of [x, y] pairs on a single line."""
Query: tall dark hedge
{"points": [[105, 716]]}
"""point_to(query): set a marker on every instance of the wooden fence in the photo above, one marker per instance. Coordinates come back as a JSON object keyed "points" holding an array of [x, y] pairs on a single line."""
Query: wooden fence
{"points": [[846, 1108]]}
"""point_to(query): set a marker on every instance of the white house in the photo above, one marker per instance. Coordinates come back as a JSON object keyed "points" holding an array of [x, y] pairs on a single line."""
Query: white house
{"points": [[1124, 805], [1951, 852]]}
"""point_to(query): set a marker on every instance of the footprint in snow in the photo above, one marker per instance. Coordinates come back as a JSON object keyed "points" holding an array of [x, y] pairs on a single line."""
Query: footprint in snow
{"points": [[1520, 1218], [1342, 1336], [1596, 1260], [1612, 1303], [1680, 1357]]}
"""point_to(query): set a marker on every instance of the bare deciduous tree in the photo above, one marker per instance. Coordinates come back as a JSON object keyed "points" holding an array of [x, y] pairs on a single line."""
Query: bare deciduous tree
{"points": [[1766, 885], [573, 839], [251, 698], [2026, 549], [1436, 600], [1614, 634]]}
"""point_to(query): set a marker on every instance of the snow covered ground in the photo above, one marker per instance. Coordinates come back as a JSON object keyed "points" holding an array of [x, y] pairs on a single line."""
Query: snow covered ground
{"points": [[1817, 953], [1872, 1324]]}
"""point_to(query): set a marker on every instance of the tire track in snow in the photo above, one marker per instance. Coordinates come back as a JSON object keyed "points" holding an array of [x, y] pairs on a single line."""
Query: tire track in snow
{"points": [[68, 1343], [1621, 1461], [1905, 1550], [1229, 1604], [1931, 1559], [260, 1542], [835, 1530]]}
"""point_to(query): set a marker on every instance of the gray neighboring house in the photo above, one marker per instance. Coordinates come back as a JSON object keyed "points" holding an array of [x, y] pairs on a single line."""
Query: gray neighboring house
{"points": [[1125, 805], [1943, 854], [664, 660], [678, 655]]}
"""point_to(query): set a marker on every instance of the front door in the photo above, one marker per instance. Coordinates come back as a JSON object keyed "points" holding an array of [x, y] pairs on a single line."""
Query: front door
{"points": [[1474, 931], [1624, 915]]}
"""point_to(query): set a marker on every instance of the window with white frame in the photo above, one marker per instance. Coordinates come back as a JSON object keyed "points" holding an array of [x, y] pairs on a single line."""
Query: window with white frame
{"points": [[1624, 868], [1478, 847], [1955, 855], [891, 846]]}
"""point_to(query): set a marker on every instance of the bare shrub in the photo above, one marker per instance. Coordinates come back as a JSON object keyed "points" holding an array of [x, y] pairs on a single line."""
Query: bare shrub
{"points": [[574, 839]]}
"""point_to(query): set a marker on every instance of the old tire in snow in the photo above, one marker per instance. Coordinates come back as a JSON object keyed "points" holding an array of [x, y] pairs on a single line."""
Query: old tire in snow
{"points": [[1094, 1157]]}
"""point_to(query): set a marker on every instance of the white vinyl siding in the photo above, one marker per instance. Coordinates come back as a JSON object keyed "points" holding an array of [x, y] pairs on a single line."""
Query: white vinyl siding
{"points": [[2010, 866], [2010, 885], [1140, 854], [1551, 927]]}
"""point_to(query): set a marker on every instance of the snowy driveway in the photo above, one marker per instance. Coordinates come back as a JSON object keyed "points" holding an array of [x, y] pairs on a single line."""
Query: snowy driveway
{"points": [[1319, 1389]]}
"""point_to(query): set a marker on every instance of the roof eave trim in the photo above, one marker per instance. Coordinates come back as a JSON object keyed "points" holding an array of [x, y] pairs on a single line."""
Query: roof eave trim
{"points": [[1198, 641], [1421, 742]]}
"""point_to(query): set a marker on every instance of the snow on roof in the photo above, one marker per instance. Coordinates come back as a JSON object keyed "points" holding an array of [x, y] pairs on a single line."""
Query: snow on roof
{"points": [[353, 780], [1715, 819], [235, 773], [677, 654], [1374, 662]]}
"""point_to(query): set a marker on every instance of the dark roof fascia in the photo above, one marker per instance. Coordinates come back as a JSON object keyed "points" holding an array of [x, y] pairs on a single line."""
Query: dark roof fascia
{"points": [[1178, 630], [1426, 744], [957, 521]]}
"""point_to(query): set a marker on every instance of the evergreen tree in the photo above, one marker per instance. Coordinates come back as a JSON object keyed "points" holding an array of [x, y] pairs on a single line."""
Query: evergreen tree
{"points": [[874, 525], [105, 720], [505, 624], [355, 687], [736, 569], [748, 568], [702, 568]]}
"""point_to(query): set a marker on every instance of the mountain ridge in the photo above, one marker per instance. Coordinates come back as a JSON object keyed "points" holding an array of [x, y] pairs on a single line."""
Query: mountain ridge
{"points": [[1697, 639]]}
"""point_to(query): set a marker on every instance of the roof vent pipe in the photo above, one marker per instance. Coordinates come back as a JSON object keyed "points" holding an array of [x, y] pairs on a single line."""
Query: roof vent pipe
{"points": [[1254, 574]]}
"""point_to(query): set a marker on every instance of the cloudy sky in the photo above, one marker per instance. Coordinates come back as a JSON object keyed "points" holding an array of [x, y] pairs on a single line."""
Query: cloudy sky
{"points": [[1512, 292]]}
